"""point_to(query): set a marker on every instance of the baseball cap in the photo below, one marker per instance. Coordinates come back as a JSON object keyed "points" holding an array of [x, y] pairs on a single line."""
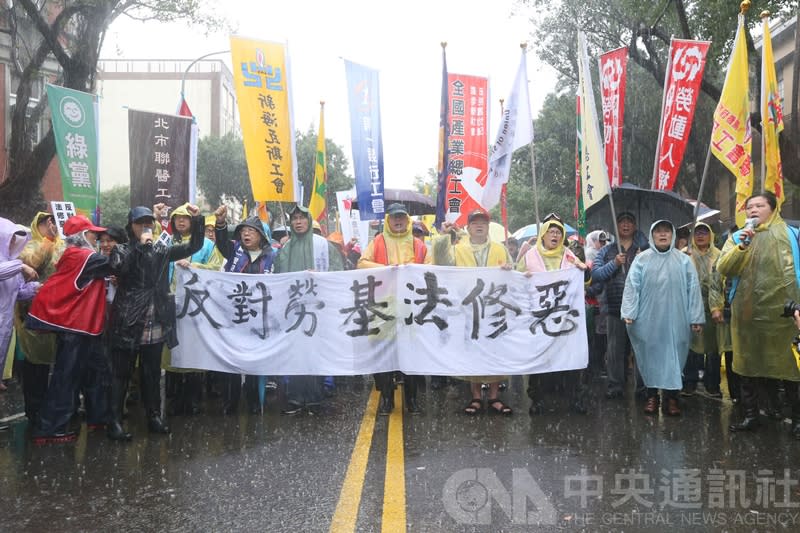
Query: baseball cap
{"points": [[396, 209], [478, 213], [626, 214], [78, 223], [140, 212], [420, 226]]}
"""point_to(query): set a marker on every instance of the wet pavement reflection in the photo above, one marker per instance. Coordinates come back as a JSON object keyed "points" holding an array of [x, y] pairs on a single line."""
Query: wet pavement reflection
{"points": [[614, 469]]}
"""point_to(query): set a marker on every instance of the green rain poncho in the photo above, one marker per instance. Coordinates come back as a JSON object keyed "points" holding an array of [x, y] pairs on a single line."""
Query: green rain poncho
{"points": [[662, 297], [764, 278], [308, 251], [704, 261]]}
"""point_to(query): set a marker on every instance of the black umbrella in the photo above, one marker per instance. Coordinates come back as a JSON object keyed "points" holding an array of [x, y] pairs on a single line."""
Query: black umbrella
{"points": [[415, 202], [645, 204]]}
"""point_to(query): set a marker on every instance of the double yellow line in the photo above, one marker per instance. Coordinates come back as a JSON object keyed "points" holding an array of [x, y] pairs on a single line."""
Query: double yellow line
{"points": [[394, 488]]}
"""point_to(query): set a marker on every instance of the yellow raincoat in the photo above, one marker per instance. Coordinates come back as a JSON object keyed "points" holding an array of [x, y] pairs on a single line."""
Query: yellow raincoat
{"points": [[41, 254], [766, 279], [704, 261]]}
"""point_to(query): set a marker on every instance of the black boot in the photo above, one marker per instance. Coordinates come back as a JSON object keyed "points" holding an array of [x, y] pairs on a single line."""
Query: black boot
{"points": [[749, 403], [114, 430], [387, 404], [194, 396], [410, 387], [384, 382], [156, 424]]}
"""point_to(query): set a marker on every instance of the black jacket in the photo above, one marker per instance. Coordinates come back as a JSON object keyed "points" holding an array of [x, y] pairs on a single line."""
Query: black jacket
{"points": [[142, 274]]}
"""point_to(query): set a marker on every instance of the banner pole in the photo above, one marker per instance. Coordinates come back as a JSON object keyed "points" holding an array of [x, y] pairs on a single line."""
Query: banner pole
{"points": [[524, 46]]}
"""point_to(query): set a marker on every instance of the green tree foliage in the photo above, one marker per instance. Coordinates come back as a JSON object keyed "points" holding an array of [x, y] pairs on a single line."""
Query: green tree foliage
{"points": [[338, 179], [70, 34], [645, 29], [114, 206], [222, 170], [427, 184]]}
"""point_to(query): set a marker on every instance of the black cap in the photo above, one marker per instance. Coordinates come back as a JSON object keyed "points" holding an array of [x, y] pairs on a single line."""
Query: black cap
{"points": [[116, 233], [140, 212], [396, 209], [626, 214]]}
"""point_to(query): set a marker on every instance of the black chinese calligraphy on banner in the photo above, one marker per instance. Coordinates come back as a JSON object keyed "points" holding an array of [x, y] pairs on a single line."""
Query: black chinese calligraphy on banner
{"points": [[159, 148], [416, 318]]}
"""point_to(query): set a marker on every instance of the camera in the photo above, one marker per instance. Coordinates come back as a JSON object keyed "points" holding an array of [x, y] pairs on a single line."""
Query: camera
{"points": [[789, 308]]}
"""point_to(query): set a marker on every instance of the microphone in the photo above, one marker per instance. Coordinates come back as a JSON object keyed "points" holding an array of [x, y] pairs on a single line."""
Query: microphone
{"points": [[750, 224]]}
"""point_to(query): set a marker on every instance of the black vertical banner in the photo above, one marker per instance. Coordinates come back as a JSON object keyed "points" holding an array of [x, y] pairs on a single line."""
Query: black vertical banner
{"points": [[159, 147]]}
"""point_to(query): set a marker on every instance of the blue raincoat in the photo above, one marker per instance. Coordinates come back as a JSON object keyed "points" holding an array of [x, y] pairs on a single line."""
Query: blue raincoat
{"points": [[662, 296]]}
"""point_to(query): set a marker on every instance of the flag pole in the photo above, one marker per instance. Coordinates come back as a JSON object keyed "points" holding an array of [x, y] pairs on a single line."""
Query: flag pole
{"points": [[762, 106], [654, 182], [503, 194], [524, 47]]}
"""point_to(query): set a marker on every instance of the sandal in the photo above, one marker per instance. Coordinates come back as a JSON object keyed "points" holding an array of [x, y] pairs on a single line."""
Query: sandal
{"points": [[503, 409], [474, 407]]}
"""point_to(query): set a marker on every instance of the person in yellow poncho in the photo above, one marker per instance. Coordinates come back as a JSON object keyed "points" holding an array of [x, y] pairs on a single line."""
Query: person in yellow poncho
{"points": [[395, 246], [39, 348], [476, 250], [763, 263], [549, 253], [704, 353]]}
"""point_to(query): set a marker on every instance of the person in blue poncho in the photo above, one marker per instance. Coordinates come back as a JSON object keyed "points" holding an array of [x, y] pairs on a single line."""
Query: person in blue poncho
{"points": [[662, 305]]}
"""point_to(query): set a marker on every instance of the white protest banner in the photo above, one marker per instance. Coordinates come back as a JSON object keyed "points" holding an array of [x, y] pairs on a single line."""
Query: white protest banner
{"points": [[416, 318], [61, 212]]}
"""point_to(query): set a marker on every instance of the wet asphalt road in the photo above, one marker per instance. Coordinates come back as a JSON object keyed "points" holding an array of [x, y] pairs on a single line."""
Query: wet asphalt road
{"points": [[614, 469]]}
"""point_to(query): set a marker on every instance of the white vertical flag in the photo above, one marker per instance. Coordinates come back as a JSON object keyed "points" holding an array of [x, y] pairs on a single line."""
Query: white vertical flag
{"points": [[516, 131], [594, 175]]}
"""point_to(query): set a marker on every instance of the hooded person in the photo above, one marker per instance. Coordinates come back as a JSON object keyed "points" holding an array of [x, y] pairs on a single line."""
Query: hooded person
{"points": [[704, 353], [72, 303], [17, 281], [396, 245], [249, 252], [609, 269], [763, 266], [305, 250], [662, 305], [184, 387], [548, 254], [143, 313], [38, 348]]}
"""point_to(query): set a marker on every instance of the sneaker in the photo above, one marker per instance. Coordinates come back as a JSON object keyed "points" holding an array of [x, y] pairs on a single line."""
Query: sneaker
{"points": [[689, 389], [292, 410]]}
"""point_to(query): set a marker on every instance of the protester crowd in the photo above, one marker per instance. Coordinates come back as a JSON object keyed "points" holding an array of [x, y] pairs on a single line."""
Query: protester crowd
{"points": [[86, 310]]}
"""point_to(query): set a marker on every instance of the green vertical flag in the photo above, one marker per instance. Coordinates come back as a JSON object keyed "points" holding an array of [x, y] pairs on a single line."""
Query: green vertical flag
{"points": [[74, 116]]}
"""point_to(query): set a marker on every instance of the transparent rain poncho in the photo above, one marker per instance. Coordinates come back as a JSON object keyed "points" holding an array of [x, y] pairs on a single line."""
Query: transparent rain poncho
{"points": [[766, 279], [662, 297]]}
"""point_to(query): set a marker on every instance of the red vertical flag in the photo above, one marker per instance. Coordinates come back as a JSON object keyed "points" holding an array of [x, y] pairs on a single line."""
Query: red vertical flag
{"points": [[682, 87], [613, 66]]}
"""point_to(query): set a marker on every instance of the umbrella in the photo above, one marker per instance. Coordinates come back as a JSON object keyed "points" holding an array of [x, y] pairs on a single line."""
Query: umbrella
{"points": [[497, 232], [526, 232], [416, 203], [645, 204]]}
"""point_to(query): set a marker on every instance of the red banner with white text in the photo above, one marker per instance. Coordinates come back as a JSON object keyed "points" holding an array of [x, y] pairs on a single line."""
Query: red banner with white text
{"points": [[687, 62], [468, 162], [613, 66]]}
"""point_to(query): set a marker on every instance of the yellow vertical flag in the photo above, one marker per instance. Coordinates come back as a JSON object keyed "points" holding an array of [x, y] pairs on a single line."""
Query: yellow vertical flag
{"points": [[731, 137], [318, 203], [594, 173], [771, 119], [261, 80]]}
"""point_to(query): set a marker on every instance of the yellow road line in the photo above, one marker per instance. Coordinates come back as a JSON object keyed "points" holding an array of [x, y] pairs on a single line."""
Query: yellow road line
{"points": [[346, 514], [394, 486]]}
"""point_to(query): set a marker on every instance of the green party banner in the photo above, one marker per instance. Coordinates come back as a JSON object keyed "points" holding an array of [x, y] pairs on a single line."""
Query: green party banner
{"points": [[74, 116]]}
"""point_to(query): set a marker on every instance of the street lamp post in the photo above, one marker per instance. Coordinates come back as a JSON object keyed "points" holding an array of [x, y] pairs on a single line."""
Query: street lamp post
{"points": [[185, 72]]}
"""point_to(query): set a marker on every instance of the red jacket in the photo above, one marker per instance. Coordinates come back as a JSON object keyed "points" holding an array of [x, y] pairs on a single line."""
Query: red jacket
{"points": [[63, 305]]}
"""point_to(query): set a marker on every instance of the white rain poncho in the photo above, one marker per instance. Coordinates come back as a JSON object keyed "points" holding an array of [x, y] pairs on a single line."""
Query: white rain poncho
{"points": [[662, 297]]}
